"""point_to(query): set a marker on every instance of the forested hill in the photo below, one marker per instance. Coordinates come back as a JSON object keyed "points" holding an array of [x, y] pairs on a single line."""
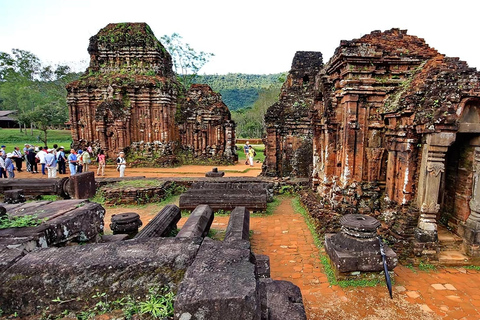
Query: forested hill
{"points": [[240, 90]]}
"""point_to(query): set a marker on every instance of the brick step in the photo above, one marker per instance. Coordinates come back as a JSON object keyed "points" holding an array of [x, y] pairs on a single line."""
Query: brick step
{"points": [[448, 241], [453, 258]]}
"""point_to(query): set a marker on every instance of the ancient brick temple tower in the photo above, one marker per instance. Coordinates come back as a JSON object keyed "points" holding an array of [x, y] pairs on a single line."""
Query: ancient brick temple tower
{"points": [[396, 134], [204, 121], [288, 122], [129, 98]]}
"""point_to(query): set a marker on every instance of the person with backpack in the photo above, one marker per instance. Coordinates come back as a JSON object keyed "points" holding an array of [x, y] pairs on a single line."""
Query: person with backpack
{"points": [[61, 160]]}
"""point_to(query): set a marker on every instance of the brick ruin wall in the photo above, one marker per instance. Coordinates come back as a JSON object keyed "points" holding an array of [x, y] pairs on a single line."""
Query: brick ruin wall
{"points": [[129, 99], [388, 120]]}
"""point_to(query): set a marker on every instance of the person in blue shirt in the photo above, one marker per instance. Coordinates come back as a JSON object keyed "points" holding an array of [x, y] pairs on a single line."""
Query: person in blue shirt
{"points": [[72, 162]]}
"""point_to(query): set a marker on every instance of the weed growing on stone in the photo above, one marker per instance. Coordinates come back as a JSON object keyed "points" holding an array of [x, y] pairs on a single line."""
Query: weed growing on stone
{"points": [[99, 197], [327, 267], [159, 303], [20, 222]]}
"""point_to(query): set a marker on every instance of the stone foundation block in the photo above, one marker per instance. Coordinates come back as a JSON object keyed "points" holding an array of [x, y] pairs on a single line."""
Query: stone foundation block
{"points": [[198, 223], [262, 265], [220, 284], [281, 300], [82, 185], [238, 225], [78, 272], [163, 223], [14, 196]]}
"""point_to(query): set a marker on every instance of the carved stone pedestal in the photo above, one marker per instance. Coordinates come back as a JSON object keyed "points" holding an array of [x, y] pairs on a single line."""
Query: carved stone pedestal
{"points": [[470, 232]]}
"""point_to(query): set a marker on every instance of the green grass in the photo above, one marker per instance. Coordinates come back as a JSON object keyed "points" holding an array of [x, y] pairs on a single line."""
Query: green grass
{"points": [[20, 222], [327, 267], [427, 267], [14, 138], [259, 148], [477, 268]]}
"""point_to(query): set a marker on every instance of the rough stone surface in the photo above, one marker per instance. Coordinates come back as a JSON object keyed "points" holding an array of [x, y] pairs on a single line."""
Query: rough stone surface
{"points": [[198, 223], [154, 191], [281, 300], [220, 284], [35, 187], [68, 273], [228, 194], [13, 196], [82, 185], [262, 264], [163, 223], [238, 225], [127, 222], [67, 220]]}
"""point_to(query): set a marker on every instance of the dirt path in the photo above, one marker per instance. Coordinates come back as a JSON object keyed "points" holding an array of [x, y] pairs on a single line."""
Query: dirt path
{"points": [[236, 170], [449, 293]]}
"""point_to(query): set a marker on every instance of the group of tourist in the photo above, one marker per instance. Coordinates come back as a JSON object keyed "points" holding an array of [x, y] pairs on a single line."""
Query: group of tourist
{"points": [[249, 153], [53, 160]]}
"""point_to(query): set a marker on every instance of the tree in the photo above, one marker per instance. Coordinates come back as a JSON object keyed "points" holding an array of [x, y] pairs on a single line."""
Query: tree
{"points": [[186, 61], [46, 116]]}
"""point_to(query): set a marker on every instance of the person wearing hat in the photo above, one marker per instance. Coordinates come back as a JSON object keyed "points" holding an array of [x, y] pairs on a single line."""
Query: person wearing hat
{"points": [[121, 163], [61, 160], [51, 163], [9, 166], [4, 154]]}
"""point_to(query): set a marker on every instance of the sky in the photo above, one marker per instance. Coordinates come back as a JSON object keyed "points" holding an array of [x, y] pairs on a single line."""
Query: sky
{"points": [[248, 36]]}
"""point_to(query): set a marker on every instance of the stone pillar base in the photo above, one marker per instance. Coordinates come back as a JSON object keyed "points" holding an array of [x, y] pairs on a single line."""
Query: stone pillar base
{"points": [[426, 244], [470, 232]]}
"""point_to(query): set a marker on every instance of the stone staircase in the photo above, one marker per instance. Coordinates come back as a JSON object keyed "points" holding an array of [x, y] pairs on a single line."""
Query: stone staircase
{"points": [[451, 253]]}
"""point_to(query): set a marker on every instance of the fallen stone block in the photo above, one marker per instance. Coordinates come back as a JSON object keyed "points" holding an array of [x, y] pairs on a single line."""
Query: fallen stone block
{"points": [[82, 185], [223, 199], [163, 223], [238, 225], [127, 222], [66, 220], [262, 264], [114, 237], [14, 196], [220, 284], [78, 272], [36, 187], [281, 300], [214, 173], [198, 223]]}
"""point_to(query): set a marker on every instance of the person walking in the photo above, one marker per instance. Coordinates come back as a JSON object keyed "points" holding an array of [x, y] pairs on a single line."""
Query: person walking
{"points": [[41, 157], [72, 162], [121, 164], [61, 160], [9, 166], [245, 150], [251, 155], [3, 169], [51, 163], [18, 158], [101, 163]]}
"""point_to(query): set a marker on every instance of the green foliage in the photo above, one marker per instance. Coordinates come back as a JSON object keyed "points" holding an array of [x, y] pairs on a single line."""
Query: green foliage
{"points": [[250, 120], [159, 303], [35, 91], [187, 62], [241, 91], [49, 197], [477, 268], [20, 222], [427, 267]]}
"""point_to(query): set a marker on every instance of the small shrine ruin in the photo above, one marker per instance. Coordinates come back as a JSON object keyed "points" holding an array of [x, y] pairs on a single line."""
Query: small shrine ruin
{"points": [[395, 130], [129, 99]]}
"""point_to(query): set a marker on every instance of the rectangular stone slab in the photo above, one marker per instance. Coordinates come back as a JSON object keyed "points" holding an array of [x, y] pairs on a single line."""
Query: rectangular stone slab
{"points": [[238, 225], [67, 220], [198, 223], [223, 200], [220, 284], [117, 268], [163, 223]]}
